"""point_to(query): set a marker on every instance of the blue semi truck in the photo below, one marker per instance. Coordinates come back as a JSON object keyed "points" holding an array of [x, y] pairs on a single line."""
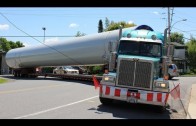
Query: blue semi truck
{"points": [[137, 69]]}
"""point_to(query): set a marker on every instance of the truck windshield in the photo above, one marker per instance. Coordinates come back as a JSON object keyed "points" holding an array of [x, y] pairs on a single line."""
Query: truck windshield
{"points": [[140, 48]]}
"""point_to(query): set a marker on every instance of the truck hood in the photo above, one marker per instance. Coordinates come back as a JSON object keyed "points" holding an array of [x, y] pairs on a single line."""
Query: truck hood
{"points": [[139, 57]]}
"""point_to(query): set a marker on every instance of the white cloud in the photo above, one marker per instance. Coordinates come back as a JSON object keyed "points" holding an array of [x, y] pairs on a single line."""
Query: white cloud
{"points": [[130, 22], [73, 25], [155, 12], [52, 40], [4, 26]]}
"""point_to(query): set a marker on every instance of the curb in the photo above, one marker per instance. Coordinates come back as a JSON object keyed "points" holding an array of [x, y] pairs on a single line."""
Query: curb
{"points": [[192, 103]]}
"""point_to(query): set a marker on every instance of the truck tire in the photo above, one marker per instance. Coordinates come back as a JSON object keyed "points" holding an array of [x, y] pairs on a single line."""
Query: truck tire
{"points": [[170, 77], [106, 101], [160, 109]]}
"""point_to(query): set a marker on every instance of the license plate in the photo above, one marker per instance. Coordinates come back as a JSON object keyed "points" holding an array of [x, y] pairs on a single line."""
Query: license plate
{"points": [[132, 99]]}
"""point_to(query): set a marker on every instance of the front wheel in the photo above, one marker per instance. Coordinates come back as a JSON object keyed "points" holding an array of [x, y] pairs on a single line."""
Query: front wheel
{"points": [[160, 109], [170, 77], [106, 101]]}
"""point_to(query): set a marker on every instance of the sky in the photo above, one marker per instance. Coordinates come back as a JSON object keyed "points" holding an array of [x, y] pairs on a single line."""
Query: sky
{"points": [[63, 23]]}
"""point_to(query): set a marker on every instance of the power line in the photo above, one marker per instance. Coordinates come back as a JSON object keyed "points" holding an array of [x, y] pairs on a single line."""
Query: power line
{"points": [[185, 23], [38, 40], [187, 38], [189, 31], [186, 33], [185, 14], [190, 21], [191, 26], [183, 31]]}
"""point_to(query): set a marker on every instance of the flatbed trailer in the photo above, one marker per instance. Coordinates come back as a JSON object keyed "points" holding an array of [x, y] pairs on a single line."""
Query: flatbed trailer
{"points": [[68, 76]]}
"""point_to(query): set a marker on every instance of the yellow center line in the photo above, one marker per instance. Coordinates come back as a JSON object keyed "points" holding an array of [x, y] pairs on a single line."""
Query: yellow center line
{"points": [[29, 89]]}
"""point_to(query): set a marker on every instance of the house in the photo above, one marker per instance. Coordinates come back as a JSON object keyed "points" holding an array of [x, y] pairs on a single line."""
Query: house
{"points": [[179, 56]]}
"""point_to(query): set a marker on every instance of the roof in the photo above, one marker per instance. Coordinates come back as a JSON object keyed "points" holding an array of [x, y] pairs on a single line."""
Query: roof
{"points": [[177, 44], [178, 59]]}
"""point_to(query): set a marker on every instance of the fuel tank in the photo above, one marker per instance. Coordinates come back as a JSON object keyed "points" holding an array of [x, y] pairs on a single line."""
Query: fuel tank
{"points": [[85, 50]]}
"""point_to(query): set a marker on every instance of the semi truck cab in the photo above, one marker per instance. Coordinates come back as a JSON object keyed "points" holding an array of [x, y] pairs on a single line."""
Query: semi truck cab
{"points": [[135, 69]]}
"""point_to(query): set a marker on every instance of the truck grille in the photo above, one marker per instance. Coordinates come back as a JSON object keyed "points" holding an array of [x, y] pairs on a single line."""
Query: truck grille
{"points": [[135, 74]]}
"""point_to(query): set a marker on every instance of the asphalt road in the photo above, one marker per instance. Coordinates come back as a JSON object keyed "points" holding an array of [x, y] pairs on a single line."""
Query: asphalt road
{"points": [[181, 105], [52, 98]]}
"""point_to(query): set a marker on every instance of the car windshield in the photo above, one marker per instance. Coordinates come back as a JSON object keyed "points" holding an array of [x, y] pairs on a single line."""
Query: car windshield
{"points": [[68, 67], [140, 48]]}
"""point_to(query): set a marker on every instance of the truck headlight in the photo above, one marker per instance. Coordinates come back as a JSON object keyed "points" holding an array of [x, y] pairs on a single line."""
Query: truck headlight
{"points": [[161, 85], [109, 78]]}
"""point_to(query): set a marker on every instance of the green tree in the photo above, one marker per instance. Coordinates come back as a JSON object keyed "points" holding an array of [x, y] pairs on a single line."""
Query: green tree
{"points": [[177, 37], [4, 44], [79, 34], [19, 44], [13, 45], [115, 25], [100, 26], [192, 54], [107, 23]]}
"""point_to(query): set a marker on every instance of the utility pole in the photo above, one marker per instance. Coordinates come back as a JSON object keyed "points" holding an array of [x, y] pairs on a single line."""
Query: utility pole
{"points": [[169, 26], [169, 48]]}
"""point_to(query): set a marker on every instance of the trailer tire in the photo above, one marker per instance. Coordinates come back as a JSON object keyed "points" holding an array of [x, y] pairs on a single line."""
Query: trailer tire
{"points": [[106, 101], [15, 75]]}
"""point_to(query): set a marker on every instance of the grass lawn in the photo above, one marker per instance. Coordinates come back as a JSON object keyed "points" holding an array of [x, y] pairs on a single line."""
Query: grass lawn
{"points": [[188, 75], [2, 80]]}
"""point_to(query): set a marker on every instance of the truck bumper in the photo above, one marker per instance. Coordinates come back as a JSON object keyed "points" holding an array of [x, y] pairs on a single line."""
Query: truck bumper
{"points": [[139, 96]]}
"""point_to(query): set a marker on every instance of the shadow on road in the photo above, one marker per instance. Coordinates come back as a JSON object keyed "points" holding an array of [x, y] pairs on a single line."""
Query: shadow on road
{"points": [[132, 111], [86, 82]]}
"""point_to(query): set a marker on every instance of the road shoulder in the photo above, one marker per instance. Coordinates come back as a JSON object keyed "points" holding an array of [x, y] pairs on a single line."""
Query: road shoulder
{"points": [[192, 104]]}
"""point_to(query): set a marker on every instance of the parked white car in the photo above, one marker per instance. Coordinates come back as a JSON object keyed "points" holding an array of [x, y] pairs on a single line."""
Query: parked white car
{"points": [[173, 71], [65, 70]]}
